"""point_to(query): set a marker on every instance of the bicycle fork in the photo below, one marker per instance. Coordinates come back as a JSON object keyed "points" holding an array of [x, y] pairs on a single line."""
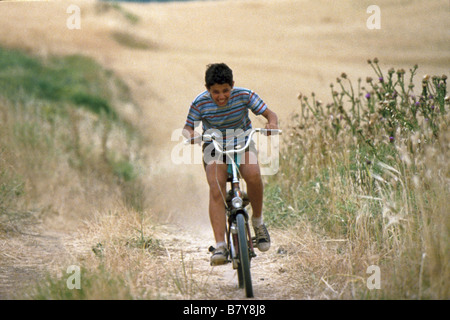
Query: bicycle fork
{"points": [[232, 238]]}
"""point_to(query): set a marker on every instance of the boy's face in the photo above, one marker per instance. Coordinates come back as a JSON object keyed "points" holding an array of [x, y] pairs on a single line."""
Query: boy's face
{"points": [[220, 93]]}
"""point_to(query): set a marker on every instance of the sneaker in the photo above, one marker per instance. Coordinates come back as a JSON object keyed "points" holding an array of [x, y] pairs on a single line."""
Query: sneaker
{"points": [[262, 238], [220, 256]]}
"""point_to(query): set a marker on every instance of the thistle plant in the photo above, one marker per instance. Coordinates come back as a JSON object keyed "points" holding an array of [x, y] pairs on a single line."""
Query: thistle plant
{"points": [[371, 167], [380, 109]]}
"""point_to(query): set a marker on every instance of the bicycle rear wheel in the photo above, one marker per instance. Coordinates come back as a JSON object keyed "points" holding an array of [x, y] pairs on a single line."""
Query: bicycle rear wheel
{"points": [[244, 258]]}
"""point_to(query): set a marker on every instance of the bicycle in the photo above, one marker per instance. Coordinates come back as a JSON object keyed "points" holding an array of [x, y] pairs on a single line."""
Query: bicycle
{"points": [[240, 243]]}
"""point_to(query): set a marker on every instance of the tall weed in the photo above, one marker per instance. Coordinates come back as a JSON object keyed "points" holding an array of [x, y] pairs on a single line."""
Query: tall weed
{"points": [[371, 166], [63, 136]]}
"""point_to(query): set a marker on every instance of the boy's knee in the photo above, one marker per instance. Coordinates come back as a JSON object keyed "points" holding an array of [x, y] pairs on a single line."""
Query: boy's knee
{"points": [[215, 193], [214, 181], [253, 179], [251, 173]]}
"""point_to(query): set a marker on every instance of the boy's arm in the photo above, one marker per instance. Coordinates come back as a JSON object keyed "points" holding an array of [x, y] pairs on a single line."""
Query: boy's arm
{"points": [[272, 119], [189, 133]]}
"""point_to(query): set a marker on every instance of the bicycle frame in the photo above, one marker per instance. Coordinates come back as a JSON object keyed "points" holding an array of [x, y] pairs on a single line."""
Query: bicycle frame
{"points": [[240, 245], [235, 204], [237, 200]]}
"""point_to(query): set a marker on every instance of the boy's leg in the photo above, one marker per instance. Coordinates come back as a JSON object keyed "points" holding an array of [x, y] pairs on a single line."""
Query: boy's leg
{"points": [[216, 204], [217, 184], [250, 171]]}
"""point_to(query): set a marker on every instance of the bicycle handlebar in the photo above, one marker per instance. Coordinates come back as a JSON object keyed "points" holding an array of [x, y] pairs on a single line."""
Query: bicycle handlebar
{"points": [[213, 137]]}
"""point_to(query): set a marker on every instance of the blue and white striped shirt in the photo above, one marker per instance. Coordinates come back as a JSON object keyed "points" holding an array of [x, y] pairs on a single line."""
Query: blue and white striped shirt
{"points": [[233, 116]]}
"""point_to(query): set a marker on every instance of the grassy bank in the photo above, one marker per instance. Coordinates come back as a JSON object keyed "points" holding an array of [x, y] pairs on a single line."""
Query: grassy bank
{"points": [[370, 169], [65, 146], [71, 160]]}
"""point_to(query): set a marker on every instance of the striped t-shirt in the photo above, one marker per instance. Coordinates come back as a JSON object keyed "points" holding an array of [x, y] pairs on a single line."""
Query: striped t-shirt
{"points": [[232, 116]]}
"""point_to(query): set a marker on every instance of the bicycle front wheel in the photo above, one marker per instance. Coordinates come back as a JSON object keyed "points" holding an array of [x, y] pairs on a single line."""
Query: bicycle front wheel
{"points": [[244, 258]]}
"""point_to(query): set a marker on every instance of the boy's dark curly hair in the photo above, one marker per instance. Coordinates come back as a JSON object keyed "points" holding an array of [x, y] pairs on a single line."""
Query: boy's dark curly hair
{"points": [[218, 73]]}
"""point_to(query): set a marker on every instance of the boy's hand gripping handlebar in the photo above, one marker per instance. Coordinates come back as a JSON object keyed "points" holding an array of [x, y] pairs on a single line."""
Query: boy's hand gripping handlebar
{"points": [[238, 149]]}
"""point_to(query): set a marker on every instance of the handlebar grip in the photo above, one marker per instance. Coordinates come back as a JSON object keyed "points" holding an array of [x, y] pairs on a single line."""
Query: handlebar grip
{"points": [[272, 131], [196, 139]]}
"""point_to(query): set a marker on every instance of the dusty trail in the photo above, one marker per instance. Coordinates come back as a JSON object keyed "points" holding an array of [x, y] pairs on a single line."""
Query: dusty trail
{"points": [[28, 256], [277, 48], [269, 274]]}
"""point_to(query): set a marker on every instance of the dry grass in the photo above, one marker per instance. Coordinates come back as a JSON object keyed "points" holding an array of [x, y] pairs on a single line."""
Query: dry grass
{"points": [[376, 181], [126, 256]]}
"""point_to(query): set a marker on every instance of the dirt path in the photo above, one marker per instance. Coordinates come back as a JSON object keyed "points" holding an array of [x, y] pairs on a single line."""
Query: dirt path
{"points": [[270, 276], [28, 256]]}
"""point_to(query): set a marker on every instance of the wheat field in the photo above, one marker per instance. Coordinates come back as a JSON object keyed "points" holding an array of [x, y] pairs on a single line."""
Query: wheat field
{"points": [[149, 240]]}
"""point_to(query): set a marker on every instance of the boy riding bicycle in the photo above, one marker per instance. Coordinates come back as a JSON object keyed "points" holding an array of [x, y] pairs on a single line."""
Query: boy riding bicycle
{"points": [[225, 108]]}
